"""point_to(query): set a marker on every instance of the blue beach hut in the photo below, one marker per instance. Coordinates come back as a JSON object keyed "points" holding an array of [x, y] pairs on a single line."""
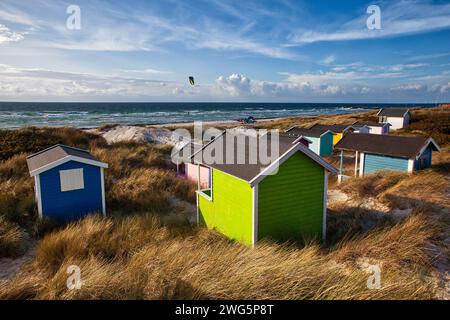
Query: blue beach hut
{"points": [[385, 152], [68, 182]]}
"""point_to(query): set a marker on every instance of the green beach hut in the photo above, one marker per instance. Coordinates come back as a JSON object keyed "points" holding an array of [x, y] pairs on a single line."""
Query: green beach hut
{"points": [[282, 199]]}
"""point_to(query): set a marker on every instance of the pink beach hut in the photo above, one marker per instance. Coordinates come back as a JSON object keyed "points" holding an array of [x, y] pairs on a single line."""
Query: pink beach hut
{"points": [[186, 169]]}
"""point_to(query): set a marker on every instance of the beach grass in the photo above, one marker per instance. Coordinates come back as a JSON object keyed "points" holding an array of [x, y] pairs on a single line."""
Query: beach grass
{"points": [[137, 253], [139, 258]]}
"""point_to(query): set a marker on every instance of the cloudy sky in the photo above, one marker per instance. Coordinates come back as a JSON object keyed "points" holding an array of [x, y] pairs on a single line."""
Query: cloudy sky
{"points": [[287, 51]]}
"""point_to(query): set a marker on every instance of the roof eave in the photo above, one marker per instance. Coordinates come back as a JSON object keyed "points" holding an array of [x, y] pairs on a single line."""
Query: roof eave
{"points": [[298, 147], [428, 142], [61, 161]]}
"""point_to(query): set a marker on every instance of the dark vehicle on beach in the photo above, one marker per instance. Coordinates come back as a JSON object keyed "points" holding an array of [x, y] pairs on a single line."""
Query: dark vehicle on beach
{"points": [[248, 120]]}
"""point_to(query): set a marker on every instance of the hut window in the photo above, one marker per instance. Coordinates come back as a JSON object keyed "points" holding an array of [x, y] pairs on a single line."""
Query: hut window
{"points": [[71, 179]]}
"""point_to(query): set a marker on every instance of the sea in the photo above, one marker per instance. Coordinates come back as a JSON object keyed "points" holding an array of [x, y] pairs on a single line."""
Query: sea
{"points": [[89, 115]]}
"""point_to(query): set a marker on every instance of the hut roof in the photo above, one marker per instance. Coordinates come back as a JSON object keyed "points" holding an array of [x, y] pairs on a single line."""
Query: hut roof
{"points": [[396, 146], [392, 112], [46, 159], [369, 124], [244, 162], [332, 127], [312, 132]]}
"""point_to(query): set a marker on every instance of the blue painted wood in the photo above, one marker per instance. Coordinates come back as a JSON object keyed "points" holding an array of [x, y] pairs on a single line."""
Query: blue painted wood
{"points": [[326, 145], [424, 160], [374, 162], [73, 204]]}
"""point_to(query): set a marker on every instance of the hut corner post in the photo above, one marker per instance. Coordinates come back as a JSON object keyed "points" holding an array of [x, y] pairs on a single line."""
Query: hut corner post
{"points": [[198, 177], [340, 166], [356, 163]]}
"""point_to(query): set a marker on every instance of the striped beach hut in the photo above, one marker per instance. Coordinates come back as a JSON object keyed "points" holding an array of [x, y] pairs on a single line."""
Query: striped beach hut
{"points": [[250, 199], [386, 152], [68, 182], [321, 139]]}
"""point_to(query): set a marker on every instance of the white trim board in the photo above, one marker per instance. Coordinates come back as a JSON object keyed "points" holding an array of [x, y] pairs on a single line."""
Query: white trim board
{"points": [[200, 191], [300, 138], [102, 181], [198, 211], [67, 159], [429, 141], [410, 165], [255, 215], [298, 147], [324, 213], [361, 164], [37, 185], [328, 131]]}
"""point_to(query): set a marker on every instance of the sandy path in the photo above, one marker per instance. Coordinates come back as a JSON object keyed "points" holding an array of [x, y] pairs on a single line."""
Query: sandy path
{"points": [[10, 266]]}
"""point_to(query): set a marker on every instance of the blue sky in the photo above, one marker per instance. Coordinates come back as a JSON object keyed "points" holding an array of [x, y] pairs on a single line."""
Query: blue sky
{"points": [[284, 51]]}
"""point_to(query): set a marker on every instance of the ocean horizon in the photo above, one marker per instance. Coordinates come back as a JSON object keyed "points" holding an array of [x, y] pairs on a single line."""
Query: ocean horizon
{"points": [[89, 115]]}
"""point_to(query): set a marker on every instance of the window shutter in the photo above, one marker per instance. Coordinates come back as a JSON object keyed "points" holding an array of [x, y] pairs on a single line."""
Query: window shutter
{"points": [[71, 179]]}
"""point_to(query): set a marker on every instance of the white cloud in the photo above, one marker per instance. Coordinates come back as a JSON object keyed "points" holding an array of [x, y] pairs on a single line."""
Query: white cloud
{"points": [[234, 85], [18, 18], [131, 29], [442, 88], [238, 85], [148, 71], [43, 84], [329, 60], [411, 87], [6, 35], [397, 19]]}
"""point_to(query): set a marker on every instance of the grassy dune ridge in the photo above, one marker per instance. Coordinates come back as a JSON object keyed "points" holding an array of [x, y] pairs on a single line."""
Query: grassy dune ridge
{"points": [[137, 253]]}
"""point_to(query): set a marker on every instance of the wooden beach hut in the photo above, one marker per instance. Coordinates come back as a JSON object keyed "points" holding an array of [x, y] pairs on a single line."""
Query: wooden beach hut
{"points": [[374, 127], [339, 130], [321, 139], [186, 168], [385, 152], [397, 118], [68, 182], [248, 200]]}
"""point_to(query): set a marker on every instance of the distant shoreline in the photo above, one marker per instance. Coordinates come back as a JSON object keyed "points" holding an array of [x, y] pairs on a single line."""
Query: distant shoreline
{"points": [[90, 116]]}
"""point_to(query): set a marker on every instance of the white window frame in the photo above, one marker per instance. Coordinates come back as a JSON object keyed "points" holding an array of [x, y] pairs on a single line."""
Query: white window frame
{"points": [[202, 191], [72, 179]]}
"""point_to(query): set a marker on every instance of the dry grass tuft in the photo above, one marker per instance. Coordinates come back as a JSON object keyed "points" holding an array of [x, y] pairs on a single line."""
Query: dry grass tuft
{"points": [[137, 257], [434, 123], [132, 255], [140, 176], [32, 139], [372, 185], [13, 240]]}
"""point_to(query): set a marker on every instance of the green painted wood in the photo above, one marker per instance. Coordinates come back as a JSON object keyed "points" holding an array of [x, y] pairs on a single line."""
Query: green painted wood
{"points": [[290, 203], [230, 210]]}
